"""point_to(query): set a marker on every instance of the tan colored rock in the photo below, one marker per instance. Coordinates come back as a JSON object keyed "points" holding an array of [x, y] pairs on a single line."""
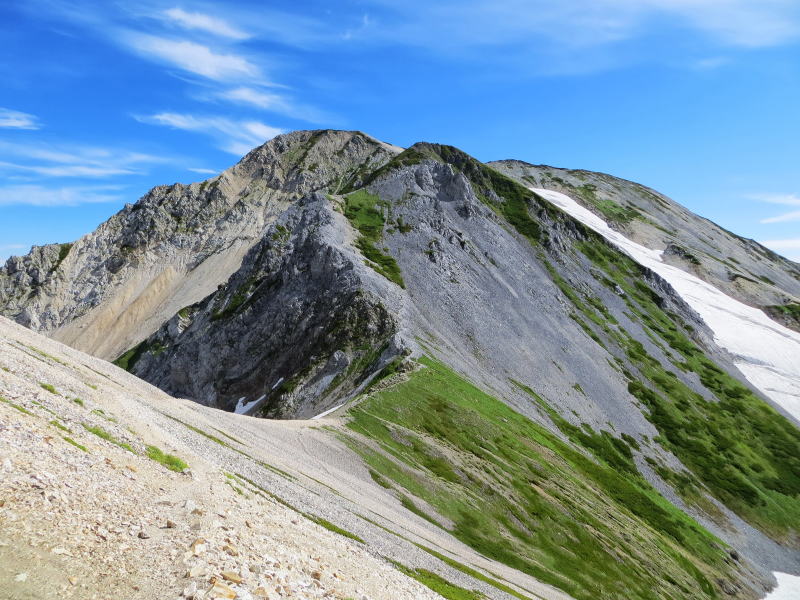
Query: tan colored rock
{"points": [[232, 577], [198, 547], [220, 590]]}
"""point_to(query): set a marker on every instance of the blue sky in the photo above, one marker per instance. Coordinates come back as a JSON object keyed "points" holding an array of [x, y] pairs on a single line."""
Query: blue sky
{"points": [[102, 100]]}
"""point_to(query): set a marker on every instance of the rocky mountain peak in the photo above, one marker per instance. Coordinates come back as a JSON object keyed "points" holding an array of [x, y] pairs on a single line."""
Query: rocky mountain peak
{"points": [[520, 348]]}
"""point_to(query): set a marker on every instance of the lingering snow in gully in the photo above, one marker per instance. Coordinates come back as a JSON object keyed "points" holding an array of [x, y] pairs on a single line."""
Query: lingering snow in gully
{"points": [[766, 353], [243, 407], [788, 588]]}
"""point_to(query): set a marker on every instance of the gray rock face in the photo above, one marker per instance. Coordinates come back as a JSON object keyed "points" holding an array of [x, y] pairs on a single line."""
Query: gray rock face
{"points": [[175, 245], [297, 326]]}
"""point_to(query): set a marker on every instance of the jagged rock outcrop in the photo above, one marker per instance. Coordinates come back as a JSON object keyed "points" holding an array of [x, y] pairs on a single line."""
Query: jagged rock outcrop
{"points": [[296, 326], [176, 244]]}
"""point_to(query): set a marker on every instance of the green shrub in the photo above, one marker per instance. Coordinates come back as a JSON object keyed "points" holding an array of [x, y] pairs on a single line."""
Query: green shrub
{"points": [[103, 434], [49, 388], [173, 463], [69, 440]]}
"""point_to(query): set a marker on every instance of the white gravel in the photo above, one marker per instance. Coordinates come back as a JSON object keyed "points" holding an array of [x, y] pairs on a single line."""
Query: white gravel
{"points": [[94, 524]]}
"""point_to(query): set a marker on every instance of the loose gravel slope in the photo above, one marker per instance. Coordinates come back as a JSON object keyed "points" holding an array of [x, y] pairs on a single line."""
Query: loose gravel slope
{"points": [[89, 507]]}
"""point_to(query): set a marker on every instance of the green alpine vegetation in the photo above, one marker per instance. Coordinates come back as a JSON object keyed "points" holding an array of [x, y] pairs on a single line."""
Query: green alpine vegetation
{"points": [[365, 212], [610, 210], [170, 461], [49, 388], [790, 312], [128, 359], [502, 194], [517, 493], [744, 452], [103, 434], [16, 406], [438, 584]]}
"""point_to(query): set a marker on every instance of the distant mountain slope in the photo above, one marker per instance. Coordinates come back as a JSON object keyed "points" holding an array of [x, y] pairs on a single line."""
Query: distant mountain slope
{"points": [[505, 370], [740, 267]]}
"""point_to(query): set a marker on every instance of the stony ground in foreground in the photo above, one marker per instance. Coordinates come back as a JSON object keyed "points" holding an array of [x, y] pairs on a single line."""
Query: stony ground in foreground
{"points": [[81, 516], [266, 509]]}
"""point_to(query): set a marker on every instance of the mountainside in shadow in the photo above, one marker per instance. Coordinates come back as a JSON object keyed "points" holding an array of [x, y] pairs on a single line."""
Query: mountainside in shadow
{"points": [[507, 372]]}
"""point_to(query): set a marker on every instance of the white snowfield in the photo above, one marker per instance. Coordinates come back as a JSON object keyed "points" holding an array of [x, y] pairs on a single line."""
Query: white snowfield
{"points": [[767, 354], [243, 407], [788, 588]]}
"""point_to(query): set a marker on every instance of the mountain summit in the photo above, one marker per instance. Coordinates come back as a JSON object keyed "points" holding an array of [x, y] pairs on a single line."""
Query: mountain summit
{"points": [[566, 371]]}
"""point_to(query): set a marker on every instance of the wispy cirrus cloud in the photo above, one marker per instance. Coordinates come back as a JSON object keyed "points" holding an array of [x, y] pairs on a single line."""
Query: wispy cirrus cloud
{"points": [[784, 218], [271, 101], [41, 195], [66, 160], [742, 23], [14, 119], [786, 200], [203, 22], [235, 136], [194, 57], [789, 248]]}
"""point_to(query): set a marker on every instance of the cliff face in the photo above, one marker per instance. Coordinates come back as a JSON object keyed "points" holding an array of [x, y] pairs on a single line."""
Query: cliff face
{"points": [[175, 245], [462, 311]]}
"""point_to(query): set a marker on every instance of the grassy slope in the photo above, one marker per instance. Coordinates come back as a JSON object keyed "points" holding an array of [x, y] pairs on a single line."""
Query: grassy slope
{"points": [[743, 452], [518, 494], [740, 450], [365, 212]]}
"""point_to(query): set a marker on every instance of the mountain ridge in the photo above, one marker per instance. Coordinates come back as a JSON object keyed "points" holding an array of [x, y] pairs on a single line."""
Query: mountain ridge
{"points": [[426, 265]]}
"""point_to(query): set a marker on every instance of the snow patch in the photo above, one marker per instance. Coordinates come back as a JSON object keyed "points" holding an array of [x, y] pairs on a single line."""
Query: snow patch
{"points": [[243, 407], [788, 587], [767, 354], [327, 412]]}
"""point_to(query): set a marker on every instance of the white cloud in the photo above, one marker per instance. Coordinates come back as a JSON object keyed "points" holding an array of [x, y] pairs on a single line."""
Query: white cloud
{"points": [[236, 137], [195, 58], [276, 103], [460, 24], [13, 119], [259, 99], [786, 199], [784, 218], [207, 23], [709, 64], [790, 199], [781, 246], [39, 195], [748, 23], [66, 170], [202, 171], [71, 160]]}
